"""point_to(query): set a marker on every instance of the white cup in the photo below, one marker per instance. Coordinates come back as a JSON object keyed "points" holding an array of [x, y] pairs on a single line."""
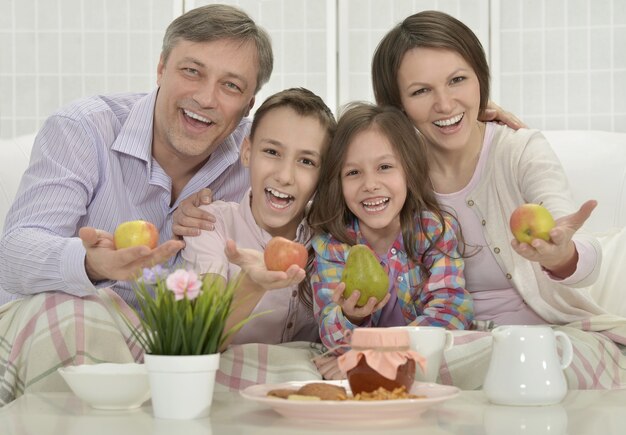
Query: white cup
{"points": [[429, 342]]}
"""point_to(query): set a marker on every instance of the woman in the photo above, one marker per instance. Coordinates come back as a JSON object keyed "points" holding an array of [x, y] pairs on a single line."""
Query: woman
{"points": [[434, 69]]}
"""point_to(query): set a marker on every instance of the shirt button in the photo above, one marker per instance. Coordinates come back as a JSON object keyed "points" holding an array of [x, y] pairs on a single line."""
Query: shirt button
{"points": [[294, 293], [484, 222], [289, 325], [496, 250], [508, 276], [470, 202], [400, 279], [393, 251]]}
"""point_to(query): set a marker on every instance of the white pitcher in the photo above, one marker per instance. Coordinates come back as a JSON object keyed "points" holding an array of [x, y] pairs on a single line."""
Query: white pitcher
{"points": [[525, 368]]}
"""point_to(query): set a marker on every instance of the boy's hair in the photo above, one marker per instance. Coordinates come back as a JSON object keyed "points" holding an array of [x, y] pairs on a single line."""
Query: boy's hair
{"points": [[215, 22], [300, 100], [330, 214], [430, 29]]}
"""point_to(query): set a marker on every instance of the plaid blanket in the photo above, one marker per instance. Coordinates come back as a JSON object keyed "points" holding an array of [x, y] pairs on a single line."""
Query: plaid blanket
{"points": [[50, 330]]}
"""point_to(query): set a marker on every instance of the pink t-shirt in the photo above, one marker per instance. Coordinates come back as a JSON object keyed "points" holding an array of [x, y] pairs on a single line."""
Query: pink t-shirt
{"points": [[289, 320], [494, 297]]}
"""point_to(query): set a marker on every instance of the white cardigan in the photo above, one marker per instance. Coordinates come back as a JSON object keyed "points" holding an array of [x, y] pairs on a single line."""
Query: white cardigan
{"points": [[522, 167]]}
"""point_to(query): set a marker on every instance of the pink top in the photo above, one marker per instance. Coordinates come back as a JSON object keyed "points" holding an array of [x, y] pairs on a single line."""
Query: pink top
{"points": [[289, 320], [494, 298], [384, 350]]}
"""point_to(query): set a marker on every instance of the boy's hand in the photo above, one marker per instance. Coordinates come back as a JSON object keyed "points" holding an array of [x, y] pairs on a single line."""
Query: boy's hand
{"points": [[252, 263], [188, 219], [354, 313], [104, 262]]}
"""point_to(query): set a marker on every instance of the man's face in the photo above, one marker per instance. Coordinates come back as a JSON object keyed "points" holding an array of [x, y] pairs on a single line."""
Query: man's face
{"points": [[205, 88]]}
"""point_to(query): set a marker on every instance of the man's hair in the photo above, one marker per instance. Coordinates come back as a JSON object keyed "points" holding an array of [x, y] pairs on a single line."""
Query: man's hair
{"points": [[214, 22], [303, 102], [429, 29]]}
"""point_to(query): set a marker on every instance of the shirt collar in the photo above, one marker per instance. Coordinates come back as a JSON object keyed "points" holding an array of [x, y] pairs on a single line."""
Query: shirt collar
{"points": [[135, 136], [355, 231]]}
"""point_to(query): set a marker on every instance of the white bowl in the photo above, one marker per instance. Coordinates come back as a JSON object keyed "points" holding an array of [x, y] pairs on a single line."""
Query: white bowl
{"points": [[109, 385]]}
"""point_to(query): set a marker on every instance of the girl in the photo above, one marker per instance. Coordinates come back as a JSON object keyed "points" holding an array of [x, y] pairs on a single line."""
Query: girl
{"points": [[375, 191]]}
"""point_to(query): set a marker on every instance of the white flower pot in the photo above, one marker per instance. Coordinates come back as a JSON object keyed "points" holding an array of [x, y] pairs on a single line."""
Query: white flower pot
{"points": [[182, 386]]}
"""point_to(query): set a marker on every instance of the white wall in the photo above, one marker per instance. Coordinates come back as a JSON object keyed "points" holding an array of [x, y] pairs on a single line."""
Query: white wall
{"points": [[558, 64], [561, 64]]}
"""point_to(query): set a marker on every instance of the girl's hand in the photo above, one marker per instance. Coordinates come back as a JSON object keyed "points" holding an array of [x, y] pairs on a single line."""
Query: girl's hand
{"points": [[558, 256], [252, 264], [354, 313], [189, 219], [328, 367]]}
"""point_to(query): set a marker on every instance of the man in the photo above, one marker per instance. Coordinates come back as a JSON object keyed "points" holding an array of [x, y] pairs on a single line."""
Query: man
{"points": [[108, 159]]}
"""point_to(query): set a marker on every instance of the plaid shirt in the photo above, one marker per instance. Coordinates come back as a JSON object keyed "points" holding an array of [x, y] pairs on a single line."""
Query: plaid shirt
{"points": [[443, 300]]}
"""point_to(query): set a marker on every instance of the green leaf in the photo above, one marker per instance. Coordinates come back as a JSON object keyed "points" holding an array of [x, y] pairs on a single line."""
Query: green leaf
{"points": [[185, 327]]}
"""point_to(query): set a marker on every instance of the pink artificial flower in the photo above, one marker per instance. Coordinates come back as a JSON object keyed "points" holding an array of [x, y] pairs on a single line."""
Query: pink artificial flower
{"points": [[184, 283]]}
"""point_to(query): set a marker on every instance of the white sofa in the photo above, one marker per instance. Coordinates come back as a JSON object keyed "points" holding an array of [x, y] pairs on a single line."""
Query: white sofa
{"points": [[595, 162]]}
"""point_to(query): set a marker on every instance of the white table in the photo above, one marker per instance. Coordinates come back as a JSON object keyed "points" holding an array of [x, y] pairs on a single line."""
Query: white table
{"points": [[581, 413]]}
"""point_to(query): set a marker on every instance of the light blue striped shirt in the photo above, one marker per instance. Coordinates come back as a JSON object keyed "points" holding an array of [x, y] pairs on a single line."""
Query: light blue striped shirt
{"points": [[91, 165]]}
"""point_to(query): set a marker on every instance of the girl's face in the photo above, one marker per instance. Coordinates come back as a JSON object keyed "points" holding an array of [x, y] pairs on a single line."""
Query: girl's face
{"points": [[374, 183], [440, 94], [284, 160]]}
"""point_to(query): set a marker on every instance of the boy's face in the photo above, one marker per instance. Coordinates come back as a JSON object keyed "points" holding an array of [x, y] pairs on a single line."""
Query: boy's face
{"points": [[284, 160]]}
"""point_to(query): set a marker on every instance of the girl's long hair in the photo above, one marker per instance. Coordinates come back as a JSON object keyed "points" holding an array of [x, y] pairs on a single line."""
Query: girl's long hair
{"points": [[329, 212]]}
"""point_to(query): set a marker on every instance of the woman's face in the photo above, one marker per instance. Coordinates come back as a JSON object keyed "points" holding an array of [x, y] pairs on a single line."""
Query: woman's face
{"points": [[440, 94]]}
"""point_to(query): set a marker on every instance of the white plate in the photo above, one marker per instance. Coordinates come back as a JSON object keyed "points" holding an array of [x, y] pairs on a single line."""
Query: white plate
{"points": [[351, 410]]}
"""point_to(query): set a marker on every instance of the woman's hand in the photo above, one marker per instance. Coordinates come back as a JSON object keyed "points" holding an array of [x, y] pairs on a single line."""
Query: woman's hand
{"points": [[558, 256], [501, 116], [354, 313], [252, 264], [189, 219], [328, 367]]}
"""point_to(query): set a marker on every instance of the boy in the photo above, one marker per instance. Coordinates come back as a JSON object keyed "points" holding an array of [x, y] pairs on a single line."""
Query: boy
{"points": [[288, 138]]}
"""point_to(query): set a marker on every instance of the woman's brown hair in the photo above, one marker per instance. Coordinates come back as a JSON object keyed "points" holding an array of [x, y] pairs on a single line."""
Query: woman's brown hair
{"points": [[430, 29]]}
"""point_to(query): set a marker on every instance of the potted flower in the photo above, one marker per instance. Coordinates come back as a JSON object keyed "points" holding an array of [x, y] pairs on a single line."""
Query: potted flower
{"points": [[181, 328]]}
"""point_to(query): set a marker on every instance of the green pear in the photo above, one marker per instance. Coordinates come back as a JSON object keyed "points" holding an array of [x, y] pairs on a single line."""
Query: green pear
{"points": [[363, 272]]}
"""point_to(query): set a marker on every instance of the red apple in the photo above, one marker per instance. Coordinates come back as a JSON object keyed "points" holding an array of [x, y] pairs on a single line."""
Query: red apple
{"points": [[136, 233], [280, 253], [531, 221]]}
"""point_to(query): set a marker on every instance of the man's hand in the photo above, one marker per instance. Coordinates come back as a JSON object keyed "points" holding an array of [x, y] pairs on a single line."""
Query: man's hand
{"points": [[189, 219], [104, 262], [501, 116]]}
